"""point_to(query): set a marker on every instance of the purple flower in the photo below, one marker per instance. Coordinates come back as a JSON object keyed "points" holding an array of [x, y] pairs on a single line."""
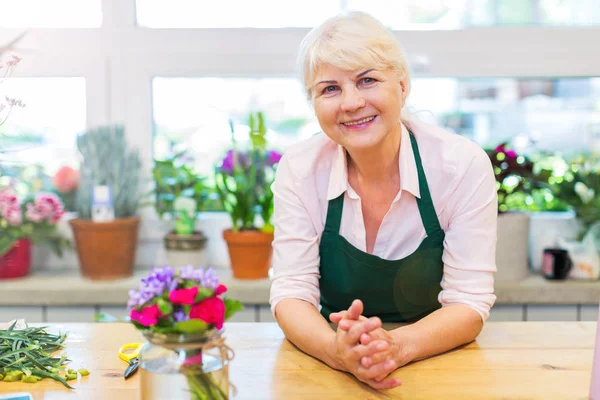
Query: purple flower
{"points": [[155, 284], [227, 164], [180, 316], [206, 278], [273, 157]]}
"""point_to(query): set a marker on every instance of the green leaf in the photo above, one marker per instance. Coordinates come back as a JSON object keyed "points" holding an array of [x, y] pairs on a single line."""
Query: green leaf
{"points": [[164, 306], [203, 293], [164, 329], [105, 317], [6, 243], [191, 326], [231, 307]]}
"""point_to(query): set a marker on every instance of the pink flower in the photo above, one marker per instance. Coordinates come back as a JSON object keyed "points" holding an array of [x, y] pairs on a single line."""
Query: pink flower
{"points": [[47, 206], [33, 214], [8, 199], [220, 290], [148, 316], [13, 61], [211, 311], [66, 179], [14, 102], [13, 215], [183, 296]]}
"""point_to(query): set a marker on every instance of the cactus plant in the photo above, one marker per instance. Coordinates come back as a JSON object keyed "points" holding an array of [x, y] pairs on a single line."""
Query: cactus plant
{"points": [[107, 161]]}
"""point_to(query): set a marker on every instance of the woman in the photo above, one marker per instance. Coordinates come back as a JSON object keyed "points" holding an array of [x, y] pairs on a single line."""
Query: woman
{"points": [[382, 218]]}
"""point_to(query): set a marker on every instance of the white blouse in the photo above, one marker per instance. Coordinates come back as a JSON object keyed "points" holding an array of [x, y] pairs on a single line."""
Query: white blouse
{"points": [[463, 189]]}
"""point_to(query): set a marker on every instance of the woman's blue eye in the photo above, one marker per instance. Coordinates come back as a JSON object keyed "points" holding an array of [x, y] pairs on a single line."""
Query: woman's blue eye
{"points": [[329, 89], [368, 80]]}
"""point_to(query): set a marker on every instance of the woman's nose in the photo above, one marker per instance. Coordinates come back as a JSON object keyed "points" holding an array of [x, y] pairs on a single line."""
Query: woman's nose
{"points": [[352, 100]]}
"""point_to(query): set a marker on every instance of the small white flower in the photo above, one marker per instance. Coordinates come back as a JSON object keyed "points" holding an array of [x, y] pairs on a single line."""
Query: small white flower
{"points": [[185, 204], [585, 194]]}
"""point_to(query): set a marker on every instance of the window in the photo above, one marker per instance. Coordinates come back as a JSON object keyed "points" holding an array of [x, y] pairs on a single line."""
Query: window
{"points": [[400, 15], [50, 14], [193, 114], [38, 139], [558, 115], [233, 13]]}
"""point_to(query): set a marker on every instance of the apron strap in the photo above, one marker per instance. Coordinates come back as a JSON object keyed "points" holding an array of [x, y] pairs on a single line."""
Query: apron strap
{"points": [[426, 208], [334, 214]]}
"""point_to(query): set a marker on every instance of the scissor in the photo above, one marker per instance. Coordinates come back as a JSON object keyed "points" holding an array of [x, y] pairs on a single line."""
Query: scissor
{"points": [[129, 353]]}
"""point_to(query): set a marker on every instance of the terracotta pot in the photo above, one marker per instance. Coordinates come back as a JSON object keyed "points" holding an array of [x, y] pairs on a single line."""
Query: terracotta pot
{"points": [[250, 253], [106, 250], [17, 262]]}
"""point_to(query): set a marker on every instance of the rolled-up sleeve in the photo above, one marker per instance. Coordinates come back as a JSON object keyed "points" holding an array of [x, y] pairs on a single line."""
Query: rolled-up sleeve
{"points": [[296, 244], [470, 243]]}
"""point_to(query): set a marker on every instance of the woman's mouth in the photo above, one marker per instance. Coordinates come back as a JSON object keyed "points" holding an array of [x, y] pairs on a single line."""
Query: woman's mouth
{"points": [[360, 123]]}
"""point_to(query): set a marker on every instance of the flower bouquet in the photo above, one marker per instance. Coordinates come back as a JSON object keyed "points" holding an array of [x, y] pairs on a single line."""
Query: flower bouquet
{"points": [[181, 313]]}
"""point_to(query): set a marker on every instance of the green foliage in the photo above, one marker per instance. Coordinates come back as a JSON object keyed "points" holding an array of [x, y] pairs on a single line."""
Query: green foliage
{"points": [[191, 326], [244, 179], [523, 183], [108, 161], [577, 183], [173, 180], [231, 307]]}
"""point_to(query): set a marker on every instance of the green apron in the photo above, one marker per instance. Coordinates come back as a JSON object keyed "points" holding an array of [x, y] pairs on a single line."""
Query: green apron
{"points": [[402, 290]]}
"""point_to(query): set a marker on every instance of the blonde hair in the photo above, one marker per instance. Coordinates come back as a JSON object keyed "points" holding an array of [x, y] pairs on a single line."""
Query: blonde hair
{"points": [[351, 41]]}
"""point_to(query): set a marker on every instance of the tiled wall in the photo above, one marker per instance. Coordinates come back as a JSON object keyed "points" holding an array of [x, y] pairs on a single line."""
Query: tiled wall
{"points": [[251, 313], [262, 313], [542, 312]]}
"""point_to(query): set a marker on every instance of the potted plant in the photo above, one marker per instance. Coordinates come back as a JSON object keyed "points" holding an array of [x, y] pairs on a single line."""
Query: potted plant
{"points": [[22, 223], [106, 250], [180, 194], [243, 181]]}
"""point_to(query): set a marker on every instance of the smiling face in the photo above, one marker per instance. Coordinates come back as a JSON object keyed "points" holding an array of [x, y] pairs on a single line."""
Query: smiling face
{"points": [[358, 109]]}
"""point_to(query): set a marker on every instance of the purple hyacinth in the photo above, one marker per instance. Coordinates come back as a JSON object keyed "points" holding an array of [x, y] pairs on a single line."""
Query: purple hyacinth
{"points": [[180, 316], [160, 280], [273, 157], [227, 164], [206, 278]]}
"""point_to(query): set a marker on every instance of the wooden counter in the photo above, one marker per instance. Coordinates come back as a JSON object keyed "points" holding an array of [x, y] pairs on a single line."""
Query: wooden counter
{"points": [[509, 360]]}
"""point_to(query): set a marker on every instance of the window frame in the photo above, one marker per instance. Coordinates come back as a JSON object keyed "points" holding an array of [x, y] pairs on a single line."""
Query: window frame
{"points": [[120, 59]]}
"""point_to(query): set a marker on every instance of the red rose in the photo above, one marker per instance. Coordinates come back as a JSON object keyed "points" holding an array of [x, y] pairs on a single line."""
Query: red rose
{"points": [[220, 290], [148, 316], [183, 296], [211, 311]]}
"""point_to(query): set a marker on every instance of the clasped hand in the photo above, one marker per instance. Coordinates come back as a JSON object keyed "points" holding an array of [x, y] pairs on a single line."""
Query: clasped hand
{"points": [[363, 348]]}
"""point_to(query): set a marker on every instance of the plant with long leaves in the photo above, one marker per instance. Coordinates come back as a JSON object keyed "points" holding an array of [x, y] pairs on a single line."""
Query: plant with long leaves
{"points": [[244, 178]]}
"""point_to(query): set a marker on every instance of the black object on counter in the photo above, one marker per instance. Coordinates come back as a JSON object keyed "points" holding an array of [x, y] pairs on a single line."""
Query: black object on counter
{"points": [[556, 263]]}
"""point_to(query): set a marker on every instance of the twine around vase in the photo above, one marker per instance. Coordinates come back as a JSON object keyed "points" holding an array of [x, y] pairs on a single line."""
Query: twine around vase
{"points": [[200, 342]]}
